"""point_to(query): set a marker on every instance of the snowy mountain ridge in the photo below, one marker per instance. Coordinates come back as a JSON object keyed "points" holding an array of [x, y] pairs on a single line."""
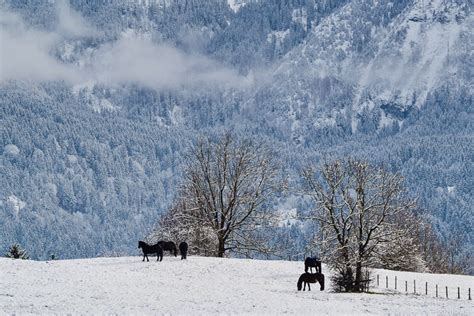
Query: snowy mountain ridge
{"points": [[388, 65]]}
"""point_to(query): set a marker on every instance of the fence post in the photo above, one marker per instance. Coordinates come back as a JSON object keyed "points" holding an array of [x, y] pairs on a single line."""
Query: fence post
{"points": [[406, 286], [446, 292], [386, 281], [459, 293], [395, 282], [414, 286], [469, 295], [426, 288], [378, 283], [436, 290]]}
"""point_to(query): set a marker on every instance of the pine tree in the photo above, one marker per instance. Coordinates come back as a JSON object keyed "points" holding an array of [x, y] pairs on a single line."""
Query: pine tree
{"points": [[16, 252]]}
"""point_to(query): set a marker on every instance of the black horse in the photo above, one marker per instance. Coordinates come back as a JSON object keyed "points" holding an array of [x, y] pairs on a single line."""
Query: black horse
{"points": [[183, 249], [308, 278], [312, 263], [151, 249], [168, 245]]}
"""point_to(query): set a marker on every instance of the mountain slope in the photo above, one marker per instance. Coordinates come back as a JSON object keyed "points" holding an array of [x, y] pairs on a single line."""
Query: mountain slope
{"points": [[100, 99]]}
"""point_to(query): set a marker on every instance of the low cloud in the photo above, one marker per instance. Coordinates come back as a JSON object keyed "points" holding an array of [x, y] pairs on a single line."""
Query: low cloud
{"points": [[28, 54], [25, 53], [71, 23], [137, 59]]}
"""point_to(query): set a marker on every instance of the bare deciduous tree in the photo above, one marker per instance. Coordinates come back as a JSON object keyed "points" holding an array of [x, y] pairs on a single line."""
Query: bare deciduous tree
{"points": [[226, 183], [357, 207], [444, 255]]}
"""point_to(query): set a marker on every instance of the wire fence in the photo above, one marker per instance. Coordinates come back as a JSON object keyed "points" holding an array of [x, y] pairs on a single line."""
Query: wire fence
{"points": [[422, 288], [405, 285]]}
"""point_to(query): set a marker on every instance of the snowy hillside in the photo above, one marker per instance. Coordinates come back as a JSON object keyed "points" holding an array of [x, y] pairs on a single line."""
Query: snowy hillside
{"points": [[126, 285]]}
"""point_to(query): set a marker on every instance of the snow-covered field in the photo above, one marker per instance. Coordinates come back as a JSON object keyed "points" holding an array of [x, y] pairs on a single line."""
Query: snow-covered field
{"points": [[126, 285]]}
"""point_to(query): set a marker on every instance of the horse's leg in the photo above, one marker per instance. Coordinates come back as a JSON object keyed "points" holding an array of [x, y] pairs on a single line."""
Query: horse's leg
{"points": [[147, 258], [309, 287], [143, 257], [304, 285]]}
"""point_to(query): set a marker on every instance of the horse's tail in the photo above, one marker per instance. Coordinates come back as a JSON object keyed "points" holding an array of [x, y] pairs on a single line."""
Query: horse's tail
{"points": [[299, 285], [321, 281]]}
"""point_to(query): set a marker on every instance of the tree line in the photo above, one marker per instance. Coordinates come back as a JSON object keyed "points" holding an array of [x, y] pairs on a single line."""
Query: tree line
{"points": [[363, 215]]}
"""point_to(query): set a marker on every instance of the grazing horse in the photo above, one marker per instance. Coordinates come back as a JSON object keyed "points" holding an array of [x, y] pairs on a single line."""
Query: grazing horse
{"points": [[308, 278], [183, 249], [312, 263], [150, 249], [168, 245]]}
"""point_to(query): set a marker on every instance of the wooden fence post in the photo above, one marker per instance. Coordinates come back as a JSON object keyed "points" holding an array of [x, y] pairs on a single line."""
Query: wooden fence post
{"points": [[459, 293], [469, 295], [406, 286], [426, 288], [414, 286], [378, 283], [386, 281], [395, 282], [436, 290], [446, 292]]}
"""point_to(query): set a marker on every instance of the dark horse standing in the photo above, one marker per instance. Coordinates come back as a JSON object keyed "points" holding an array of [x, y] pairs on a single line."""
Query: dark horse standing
{"points": [[183, 249], [169, 245], [150, 249], [308, 278], [312, 263]]}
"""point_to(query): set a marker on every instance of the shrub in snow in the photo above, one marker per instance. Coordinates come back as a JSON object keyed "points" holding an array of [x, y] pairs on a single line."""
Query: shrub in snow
{"points": [[16, 252]]}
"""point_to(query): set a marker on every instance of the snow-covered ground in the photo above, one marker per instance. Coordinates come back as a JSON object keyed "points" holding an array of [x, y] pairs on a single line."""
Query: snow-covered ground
{"points": [[126, 285]]}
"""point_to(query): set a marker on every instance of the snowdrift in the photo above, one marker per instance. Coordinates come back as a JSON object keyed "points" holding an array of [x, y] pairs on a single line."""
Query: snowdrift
{"points": [[126, 285]]}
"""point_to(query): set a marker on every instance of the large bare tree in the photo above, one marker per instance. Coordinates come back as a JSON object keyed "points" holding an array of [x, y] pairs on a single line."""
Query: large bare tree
{"points": [[226, 182], [358, 208]]}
